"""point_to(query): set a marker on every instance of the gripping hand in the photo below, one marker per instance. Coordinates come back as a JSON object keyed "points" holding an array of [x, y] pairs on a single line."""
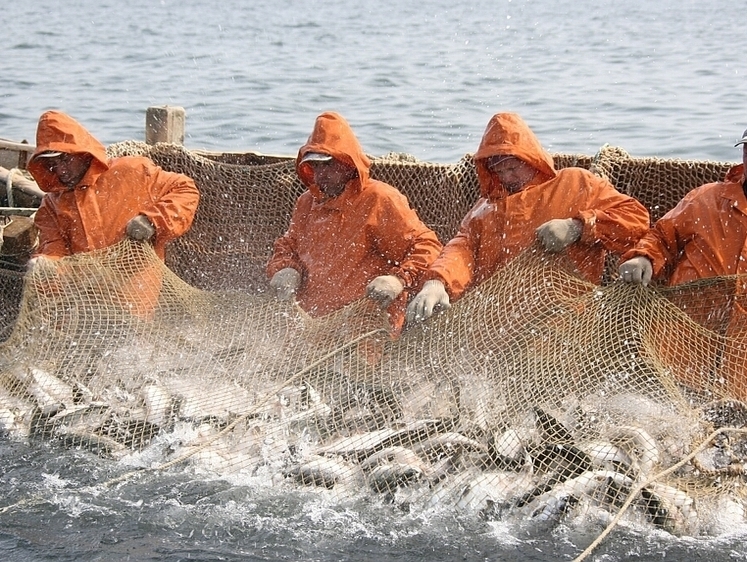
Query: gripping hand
{"points": [[285, 283], [556, 234], [384, 289], [637, 270], [140, 228], [432, 298]]}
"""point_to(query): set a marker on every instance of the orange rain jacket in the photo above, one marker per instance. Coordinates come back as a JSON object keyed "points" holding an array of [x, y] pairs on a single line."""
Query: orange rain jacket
{"points": [[705, 235], [501, 225], [95, 213], [340, 244]]}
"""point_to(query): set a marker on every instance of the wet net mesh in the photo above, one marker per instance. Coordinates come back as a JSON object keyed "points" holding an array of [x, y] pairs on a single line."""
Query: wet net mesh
{"points": [[537, 395]]}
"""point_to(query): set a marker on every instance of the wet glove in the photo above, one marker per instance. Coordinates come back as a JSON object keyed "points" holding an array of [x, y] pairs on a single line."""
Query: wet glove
{"points": [[41, 265], [556, 234], [140, 228], [384, 289], [432, 298], [285, 283], [44, 275], [637, 270]]}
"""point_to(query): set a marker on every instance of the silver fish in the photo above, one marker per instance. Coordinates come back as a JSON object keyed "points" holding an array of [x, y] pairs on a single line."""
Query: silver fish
{"points": [[17, 415], [200, 401], [323, 471], [96, 443], [639, 445], [604, 455], [393, 467], [507, 451], [670, 509], [390, 476], [553, 504], [448, 443], [362, 445], [491, 489], [159, 405], [51, 393], [390, 455]]}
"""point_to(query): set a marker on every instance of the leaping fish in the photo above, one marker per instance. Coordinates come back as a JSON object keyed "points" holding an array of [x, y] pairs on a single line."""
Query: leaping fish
{"points": [[553, 504]]}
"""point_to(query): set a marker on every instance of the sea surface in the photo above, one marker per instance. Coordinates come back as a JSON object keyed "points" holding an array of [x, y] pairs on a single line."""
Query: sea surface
{"points": [[658, 78], [662, 78]]}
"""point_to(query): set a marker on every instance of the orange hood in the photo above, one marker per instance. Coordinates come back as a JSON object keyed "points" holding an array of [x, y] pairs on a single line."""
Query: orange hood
{"points": [[736, 174], [60, 132], [508, 134], [332, 135]]}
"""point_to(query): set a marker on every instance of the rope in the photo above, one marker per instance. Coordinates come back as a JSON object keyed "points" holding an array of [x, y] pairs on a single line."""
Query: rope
{"points": [[636, 489], [9, 186]]}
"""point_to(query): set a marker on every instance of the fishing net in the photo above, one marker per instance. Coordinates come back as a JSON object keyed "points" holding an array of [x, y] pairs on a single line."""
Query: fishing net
{"points": [[537, 395]]}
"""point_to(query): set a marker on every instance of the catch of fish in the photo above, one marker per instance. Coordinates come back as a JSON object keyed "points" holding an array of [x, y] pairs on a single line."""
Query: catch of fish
{"points": [[541, 466]]}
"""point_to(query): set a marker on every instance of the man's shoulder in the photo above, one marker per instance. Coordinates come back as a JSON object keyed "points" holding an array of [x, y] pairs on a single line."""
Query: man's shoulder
{"points": [[574, 170], [377, 189], [580, 173], [304, 202], [705, 195], [131, 163], [713, 189]]}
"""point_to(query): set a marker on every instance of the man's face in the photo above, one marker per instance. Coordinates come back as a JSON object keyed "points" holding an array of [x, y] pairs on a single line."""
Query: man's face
{"points": [[513, 173], [69, 168], [744, 158], [332, 176]]}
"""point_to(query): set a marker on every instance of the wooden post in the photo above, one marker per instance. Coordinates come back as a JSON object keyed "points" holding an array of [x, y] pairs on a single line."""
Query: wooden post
{"points": [[164, 124], [19, 237]]}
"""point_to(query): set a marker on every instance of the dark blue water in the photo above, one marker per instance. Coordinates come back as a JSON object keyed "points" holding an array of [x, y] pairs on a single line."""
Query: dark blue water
{"points": [[662, 78]]}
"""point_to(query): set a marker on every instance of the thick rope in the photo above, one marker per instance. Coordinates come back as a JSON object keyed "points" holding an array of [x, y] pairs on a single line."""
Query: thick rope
{"points": [[636, 489], [9, 186]]}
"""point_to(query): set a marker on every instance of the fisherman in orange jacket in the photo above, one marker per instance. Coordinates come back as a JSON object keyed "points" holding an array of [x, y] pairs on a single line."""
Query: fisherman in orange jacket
{"points": [[93, 202], [349, 235], [705, 235], [523, 198]]}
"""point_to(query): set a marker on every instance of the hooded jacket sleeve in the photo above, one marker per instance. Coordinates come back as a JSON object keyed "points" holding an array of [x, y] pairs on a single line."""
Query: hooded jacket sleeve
{"points": [[174, 200], [51, 240], [662, 244], [398, 231], [615, 220], [455, 267]]}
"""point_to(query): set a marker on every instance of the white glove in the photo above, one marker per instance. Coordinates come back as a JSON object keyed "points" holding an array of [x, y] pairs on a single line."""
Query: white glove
{"points": [[285, 283], [45, 275], [384, 289], [637, 270], [557, 234], [41, 264], [140, 228], [430, 299]]}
